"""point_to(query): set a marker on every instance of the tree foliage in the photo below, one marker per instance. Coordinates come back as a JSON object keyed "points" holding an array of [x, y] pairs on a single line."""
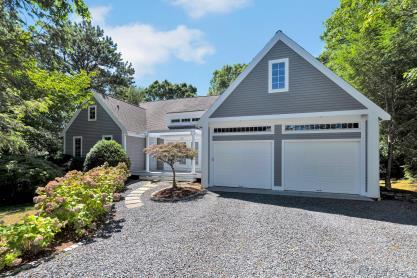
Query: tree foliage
{"points": [[32, 99], [166, 90], [78, 47], [372, 45], [223, 77], [170, 154]]}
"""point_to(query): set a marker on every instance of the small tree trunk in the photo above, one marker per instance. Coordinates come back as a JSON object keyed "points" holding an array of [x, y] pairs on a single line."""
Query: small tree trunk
{"points": [[390, 154], [174, 182]]}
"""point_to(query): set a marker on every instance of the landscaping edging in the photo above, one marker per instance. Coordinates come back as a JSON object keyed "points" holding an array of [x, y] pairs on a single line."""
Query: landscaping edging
{"points": [[177, 199]]}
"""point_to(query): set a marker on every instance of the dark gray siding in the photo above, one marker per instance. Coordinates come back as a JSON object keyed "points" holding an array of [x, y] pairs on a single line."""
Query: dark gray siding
{"points": [[92, 131], [135, 146], [278, 137], [309, 90]]}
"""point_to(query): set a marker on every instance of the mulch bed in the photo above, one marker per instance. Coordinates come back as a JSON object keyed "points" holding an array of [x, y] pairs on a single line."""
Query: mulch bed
{"points": [[180, 193]]}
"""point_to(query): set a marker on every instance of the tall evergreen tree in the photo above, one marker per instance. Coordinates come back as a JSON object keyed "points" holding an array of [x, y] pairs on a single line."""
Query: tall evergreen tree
{"points": [[76, 47]]}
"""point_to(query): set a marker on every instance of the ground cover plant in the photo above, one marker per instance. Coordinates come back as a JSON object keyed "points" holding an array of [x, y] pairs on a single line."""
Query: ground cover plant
{"points": [[71, 204]]}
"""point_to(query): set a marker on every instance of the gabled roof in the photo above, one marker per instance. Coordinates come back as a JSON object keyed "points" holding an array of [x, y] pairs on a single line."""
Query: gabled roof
{"points": [[156, 110], [280, 36], [131, 117]]}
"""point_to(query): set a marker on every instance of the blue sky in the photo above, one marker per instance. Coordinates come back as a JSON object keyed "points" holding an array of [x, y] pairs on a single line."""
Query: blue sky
{"points": [[186, 40]]}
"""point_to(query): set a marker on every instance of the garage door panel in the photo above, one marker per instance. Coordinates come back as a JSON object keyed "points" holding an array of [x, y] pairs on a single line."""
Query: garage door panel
{"points": [[328, 166], [242, 164]]}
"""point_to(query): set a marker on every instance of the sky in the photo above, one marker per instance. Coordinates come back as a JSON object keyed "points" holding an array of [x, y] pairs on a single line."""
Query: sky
{"points": [[186, 40]]}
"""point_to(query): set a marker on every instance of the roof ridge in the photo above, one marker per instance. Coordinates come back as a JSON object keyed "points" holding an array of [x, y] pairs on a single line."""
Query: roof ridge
{"points": [[153, 101], [137, 106]]}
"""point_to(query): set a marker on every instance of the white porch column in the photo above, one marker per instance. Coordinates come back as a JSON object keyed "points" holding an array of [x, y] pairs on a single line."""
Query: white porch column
{"points": [[373, 156], [193, 147], [205, 156], [147, 155]]}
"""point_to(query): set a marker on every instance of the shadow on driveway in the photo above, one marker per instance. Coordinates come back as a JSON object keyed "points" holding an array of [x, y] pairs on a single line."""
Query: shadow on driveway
{"points": [[399, 212]]}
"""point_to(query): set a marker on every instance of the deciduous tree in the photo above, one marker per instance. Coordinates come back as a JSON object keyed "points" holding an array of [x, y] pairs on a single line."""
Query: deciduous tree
{"points": [[170, 154], [372, 44], [223, 77]]}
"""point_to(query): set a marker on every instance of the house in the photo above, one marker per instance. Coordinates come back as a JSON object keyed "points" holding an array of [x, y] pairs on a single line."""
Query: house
{"points": [[287, 123], [135, 127]]}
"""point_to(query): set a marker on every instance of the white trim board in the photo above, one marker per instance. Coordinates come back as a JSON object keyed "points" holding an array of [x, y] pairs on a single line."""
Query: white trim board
{"points": [[280, 36]]}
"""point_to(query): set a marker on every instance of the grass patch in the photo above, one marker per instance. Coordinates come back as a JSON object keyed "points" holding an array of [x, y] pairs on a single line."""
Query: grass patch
{"points": [[13, 214], [406, 185]]}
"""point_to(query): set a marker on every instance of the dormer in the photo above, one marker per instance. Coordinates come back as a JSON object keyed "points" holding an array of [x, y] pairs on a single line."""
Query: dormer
{"points": [[183, 119]]}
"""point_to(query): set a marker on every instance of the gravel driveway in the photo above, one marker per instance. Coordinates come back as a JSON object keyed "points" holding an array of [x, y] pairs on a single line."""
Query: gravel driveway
{"points": [[229, 234]]}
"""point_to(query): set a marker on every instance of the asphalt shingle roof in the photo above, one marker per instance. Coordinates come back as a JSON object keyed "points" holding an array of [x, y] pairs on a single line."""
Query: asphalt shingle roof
{"points": [[150, 116], [157, 110], [132, 117]]}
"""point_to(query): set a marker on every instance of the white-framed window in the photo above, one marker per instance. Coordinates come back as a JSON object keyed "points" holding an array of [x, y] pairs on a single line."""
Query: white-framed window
{"points": [[243, 130], [107, 137], [278, 75], [321, 128], [92, 112], [77, 146]]}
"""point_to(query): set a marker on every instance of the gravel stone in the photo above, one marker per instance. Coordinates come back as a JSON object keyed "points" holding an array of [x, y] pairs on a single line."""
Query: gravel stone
{"points": [[243, 235]]}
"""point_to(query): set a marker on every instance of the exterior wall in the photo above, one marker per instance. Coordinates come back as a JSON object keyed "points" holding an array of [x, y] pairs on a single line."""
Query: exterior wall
{"points": [[91, 131], [309, 90], [134, 149], [278, 136]]}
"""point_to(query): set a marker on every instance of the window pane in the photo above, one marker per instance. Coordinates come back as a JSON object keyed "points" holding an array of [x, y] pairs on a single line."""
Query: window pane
{"points": [[275, 66]]}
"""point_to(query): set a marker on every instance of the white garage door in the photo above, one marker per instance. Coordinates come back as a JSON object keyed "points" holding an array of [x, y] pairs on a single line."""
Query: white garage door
{"points": [[243, 164], [327, 166]]}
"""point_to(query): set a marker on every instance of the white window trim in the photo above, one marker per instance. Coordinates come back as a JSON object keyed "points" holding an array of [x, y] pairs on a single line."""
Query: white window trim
{"points": [[95, 114], [359, 129], [104, 137], [272, 131], [287, 73], [73, 145]]}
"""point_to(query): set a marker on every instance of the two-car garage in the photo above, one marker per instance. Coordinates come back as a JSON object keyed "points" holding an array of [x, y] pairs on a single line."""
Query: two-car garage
{"points": [[296, 165]]}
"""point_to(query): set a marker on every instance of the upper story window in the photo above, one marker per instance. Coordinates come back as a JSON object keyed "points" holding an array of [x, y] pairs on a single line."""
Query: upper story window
{"points": [[92, 112], [278, 75]]}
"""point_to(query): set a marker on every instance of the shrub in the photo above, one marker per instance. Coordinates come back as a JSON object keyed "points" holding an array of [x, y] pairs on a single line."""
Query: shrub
{"points": [[79, 199], [28, 237], [105, 151], [21, 175]]}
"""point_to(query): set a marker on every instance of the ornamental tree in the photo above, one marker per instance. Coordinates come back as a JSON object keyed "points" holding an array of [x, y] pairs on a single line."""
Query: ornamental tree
{"points": [[170, 154]]}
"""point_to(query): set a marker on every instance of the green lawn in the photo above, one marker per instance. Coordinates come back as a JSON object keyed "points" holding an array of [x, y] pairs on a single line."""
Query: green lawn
{"points": [[13, 214], [407, 185]]}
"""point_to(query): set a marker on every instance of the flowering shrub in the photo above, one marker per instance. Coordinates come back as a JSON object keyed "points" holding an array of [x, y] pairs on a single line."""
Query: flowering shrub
{"points": [[29, 236], [74, 201], [79, 199]]}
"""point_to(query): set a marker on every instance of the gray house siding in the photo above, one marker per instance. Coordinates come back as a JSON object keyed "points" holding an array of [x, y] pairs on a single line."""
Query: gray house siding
{"points": [[309, 90], [278, 137], [91, 131], [134, 149]]}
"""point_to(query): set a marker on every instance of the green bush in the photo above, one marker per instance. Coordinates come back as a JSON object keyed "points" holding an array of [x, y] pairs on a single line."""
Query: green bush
{"points": [[28, 237], [21, 175], [79, 199], [105, 151]]}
